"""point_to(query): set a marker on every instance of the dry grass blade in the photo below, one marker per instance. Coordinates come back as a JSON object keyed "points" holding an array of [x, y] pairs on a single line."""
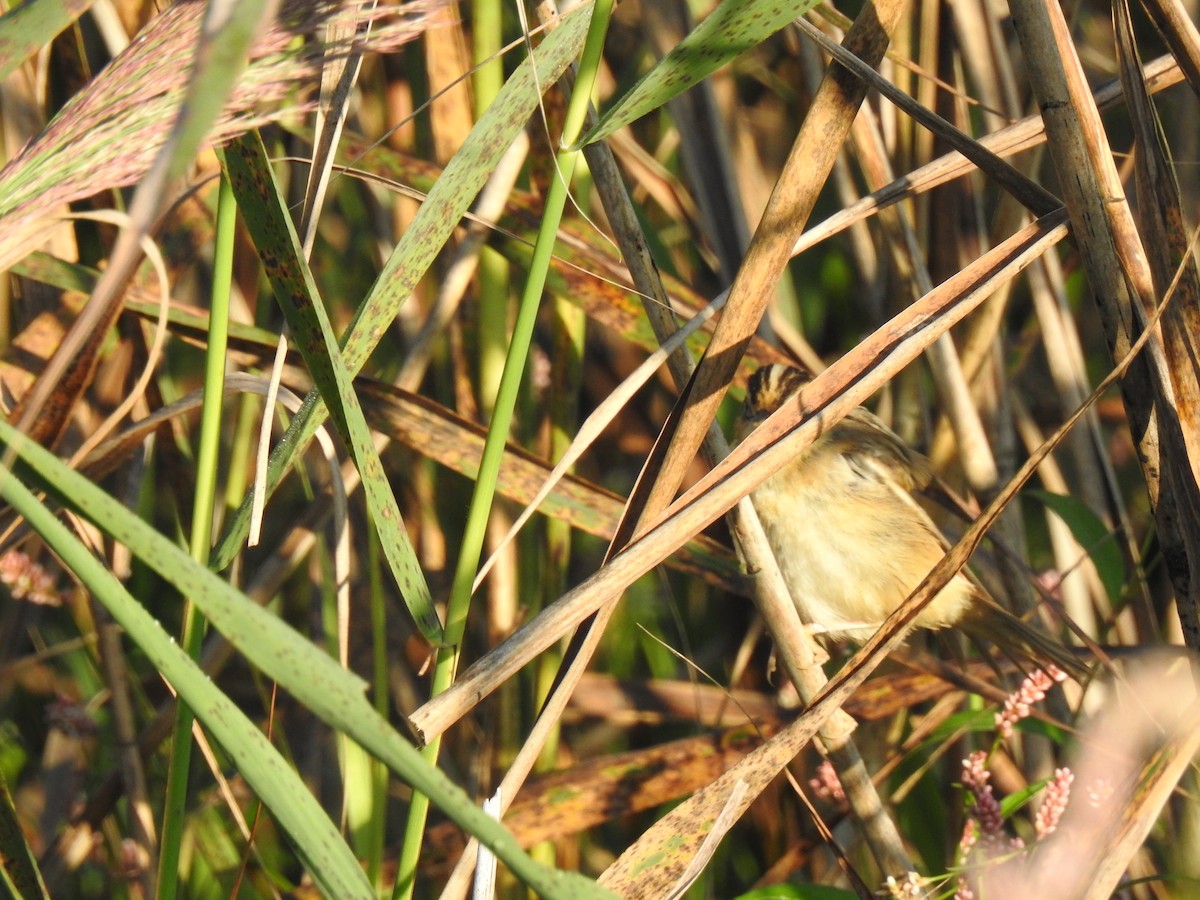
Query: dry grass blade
{"points": [[1121, 283], [662, 855], [858, 374], [1035, 198], [813, 152], [1175, 24], [613, 786], [726, 818], [1029, 132], [1171, 257]]}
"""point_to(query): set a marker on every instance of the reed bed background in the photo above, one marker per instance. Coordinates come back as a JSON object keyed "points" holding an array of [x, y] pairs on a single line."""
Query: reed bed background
{"points": [[397, 247]]}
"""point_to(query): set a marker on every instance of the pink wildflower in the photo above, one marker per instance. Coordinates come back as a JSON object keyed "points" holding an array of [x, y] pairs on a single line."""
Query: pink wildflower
{"points": [[970, 837], [1020, 703], [985, 808], [1054, 803], [910, 886], [27, 580], [826, 784]]}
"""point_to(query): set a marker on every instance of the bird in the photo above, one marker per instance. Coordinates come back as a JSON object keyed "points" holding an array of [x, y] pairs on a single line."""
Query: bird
{"points": [[852, 542]]}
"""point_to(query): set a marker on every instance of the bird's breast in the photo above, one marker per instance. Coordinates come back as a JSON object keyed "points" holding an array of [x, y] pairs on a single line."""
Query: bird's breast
{"points": [[850, 547]]}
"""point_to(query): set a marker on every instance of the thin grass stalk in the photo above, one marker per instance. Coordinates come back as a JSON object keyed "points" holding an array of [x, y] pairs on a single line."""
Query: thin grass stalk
{"points": [[566, 379], [793, 641], [370, 840], [487, 30], [502, 588], [444, 206], [493, 272], [653, 862], [1122, 285], [332, 866], [475, 530], [207, 462], [810, 159]]}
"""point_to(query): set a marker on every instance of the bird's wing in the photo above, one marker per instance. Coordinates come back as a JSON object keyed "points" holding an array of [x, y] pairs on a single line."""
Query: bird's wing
{"points": [[870, 445]]}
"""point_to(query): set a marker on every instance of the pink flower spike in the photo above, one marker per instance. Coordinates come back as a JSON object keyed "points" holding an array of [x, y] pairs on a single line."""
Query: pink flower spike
{"points": [[27, 580], [985, 808], [1054, 803], [826, 784], [1019, 704], [970, 837]]}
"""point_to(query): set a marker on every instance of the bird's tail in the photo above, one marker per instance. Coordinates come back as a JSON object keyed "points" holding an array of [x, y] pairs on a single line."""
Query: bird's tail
{"points": [[1023, 641]]}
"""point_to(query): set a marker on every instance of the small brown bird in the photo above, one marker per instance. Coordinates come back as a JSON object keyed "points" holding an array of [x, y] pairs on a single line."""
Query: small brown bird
{"points": [[853, 543]]}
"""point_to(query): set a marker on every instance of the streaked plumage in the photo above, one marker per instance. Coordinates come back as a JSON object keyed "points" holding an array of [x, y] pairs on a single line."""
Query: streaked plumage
{"points": [[850, 539]]}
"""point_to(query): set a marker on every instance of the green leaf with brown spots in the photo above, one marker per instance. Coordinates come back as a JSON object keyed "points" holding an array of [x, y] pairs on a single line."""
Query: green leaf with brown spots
{"points": [[337, 696], [274, 235], [729, 31], [432, 226]]}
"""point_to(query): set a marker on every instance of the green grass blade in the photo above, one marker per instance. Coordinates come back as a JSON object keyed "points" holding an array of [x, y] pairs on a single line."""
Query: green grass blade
{"points": [[334, 694], [278, 246], [479, 512], [203, 499], [729, 31], [325, 854], [441, 212]]}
